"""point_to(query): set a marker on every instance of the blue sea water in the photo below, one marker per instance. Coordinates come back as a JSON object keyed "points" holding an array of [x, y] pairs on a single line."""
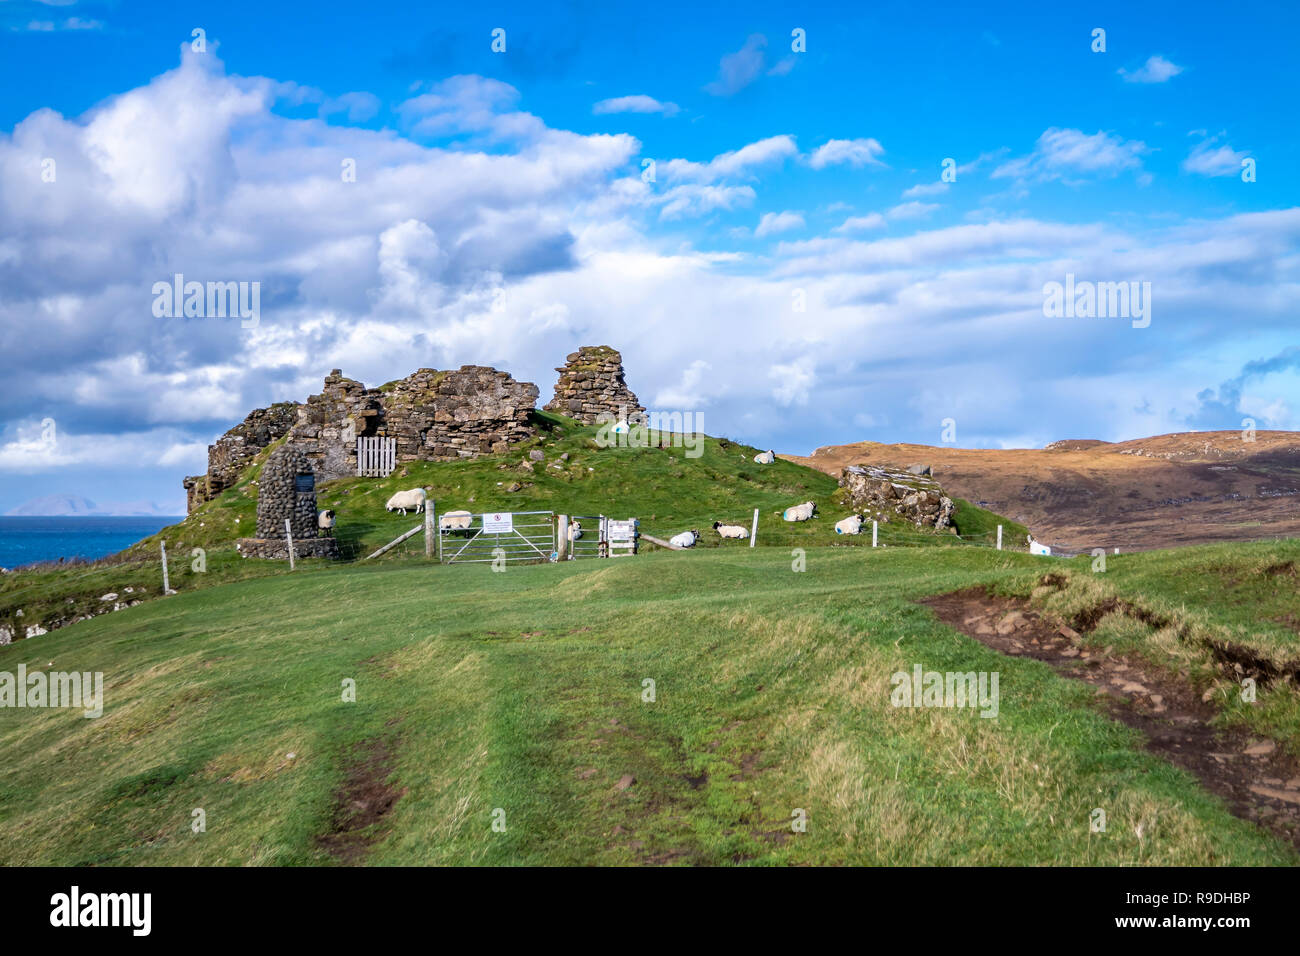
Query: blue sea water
{"points": [[25, 540]]}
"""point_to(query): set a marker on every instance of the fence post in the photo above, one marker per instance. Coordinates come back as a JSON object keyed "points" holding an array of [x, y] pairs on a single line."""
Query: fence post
{"points": [[166, 586], [874, 529], [288, 537], [562, 537], [428, 530], [753, 533], [999, 537]]}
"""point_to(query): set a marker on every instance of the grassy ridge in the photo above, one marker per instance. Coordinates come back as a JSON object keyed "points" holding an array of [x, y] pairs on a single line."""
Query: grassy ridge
{"points": [[668, 491], [523, 692]]}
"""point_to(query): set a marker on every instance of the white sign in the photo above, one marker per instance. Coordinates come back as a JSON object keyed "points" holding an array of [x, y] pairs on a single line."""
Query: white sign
{"points": [[498, 523], [622, 530]]}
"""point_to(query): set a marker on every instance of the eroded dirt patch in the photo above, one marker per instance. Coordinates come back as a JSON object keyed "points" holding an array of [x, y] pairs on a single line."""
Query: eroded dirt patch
{"points": [[362, 802], [1254, 777]]}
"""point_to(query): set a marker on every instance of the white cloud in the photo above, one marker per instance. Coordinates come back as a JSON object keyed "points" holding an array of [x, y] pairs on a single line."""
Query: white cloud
{"points": [[912, 210], [853, 152], [634, 104], [793, 381], [737, 70], [1062, 153], [740, 162], [1207, 159], [774, 222], [1156, 70], [925, 189], [873, 220]]}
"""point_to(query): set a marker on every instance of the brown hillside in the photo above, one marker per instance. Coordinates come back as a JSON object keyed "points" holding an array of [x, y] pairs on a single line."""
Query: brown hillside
{"points": [[1179, 489]]}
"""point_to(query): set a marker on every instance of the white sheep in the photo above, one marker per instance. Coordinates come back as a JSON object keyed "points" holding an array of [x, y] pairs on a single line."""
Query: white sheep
{"points": [[801, 512], [850, 525], [730, 530], [765, 458], [455, 521], [575, 531], [404, 500], [325, 521], [1036, 547], [686, 539]]}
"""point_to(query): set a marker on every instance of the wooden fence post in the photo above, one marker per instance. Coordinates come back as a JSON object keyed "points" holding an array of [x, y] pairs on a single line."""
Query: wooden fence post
{"points": [[288, 537], [428, 530], [753, 532], [874, 529], [999, 537], [166, 586]]}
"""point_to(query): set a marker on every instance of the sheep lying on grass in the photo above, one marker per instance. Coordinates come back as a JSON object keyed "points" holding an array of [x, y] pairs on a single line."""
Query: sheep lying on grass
{"points": [[686, 539], [404, 500], [1036, 547], [730, 530], [765, 458], [801, 512], [850, 525]]}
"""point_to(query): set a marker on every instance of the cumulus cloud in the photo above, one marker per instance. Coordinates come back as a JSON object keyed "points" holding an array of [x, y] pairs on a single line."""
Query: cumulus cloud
{"points": [[925, 189], [850, 152], [774, 222], [912, 210], [476, 233], [634, 104], [1156, 70], [1072, 154], [1209, 159]]}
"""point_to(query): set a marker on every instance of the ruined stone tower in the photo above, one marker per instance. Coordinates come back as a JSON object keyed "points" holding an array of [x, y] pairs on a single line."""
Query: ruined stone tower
{"points": [[591, 382]]}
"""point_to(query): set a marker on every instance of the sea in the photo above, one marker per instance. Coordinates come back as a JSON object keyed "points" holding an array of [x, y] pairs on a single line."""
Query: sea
{"points": [[27, 540]]}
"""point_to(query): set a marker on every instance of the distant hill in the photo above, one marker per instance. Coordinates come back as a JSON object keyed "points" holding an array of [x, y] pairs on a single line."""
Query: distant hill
{"points": [[66, 506], [1168, 490]]}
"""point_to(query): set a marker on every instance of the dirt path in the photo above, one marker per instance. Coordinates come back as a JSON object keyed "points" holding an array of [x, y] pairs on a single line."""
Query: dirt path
{"points": [[1254, 777]]}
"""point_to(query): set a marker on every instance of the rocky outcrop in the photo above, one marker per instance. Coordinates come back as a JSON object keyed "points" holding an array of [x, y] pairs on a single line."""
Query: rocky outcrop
{"points": [[591, 382], [881, 494], [230, 454]]}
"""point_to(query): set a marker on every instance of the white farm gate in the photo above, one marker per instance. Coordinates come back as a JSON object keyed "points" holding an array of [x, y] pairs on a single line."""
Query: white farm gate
{"points": [[376, 457], [603, 537], [515, 537]]}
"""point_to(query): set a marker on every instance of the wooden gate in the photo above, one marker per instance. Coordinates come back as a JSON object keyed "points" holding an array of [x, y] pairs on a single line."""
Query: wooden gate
{"points": [[376, 457]]}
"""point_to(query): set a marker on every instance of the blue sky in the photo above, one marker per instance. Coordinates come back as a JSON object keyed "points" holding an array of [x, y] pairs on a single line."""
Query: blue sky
{"points": [[501, 216]]}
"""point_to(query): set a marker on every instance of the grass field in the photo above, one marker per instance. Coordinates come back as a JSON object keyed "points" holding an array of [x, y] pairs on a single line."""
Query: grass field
{"points": [[517, 697]]}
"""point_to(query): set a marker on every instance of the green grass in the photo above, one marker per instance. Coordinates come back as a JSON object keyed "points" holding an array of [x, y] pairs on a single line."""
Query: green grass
{"points": [[668, 491], [522, 691]]}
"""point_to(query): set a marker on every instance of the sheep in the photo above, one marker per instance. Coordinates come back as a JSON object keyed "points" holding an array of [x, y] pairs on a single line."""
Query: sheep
{"points": [[686, 539], [765, 458], [404, 500], [325, 522], [575, 531], [730, 530], [454, 521], [801, 512], [1036, 547], [850, 525]]}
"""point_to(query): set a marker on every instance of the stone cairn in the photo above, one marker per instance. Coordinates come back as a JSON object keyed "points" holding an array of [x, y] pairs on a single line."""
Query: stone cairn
{"points": [[591, 382], [877, 493], [287, 489]]}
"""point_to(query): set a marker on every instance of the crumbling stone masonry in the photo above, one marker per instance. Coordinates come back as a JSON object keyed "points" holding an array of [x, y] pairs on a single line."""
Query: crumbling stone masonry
{"points": [[286, 489], [591, 382], [435, 416], [233, 451]]}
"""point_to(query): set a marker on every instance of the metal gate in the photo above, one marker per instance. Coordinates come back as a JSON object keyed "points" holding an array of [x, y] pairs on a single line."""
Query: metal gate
{"points": [[591, 544], [510, 536]]}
